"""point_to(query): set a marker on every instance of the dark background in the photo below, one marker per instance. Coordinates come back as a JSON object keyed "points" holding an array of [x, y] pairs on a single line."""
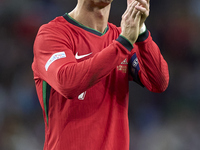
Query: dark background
{"points": [[166, 121]]}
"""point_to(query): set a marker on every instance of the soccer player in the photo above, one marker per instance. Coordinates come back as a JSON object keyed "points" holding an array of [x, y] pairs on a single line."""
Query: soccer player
{"points": [[82, 67]]}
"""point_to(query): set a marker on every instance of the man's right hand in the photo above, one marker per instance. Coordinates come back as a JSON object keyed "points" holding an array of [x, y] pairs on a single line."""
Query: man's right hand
{"points": [[130, 23]]}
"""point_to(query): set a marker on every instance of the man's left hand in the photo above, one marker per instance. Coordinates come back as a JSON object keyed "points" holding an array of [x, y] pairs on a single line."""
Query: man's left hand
{"points": [[144, 8]]}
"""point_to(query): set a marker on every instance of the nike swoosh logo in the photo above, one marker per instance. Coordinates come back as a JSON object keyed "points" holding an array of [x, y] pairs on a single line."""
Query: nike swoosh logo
{"points": [[81, 56]]}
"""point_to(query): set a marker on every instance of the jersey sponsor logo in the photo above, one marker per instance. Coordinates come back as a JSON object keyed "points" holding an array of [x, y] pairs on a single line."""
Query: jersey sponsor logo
{"points": [[124, 62], [122, 68], [82, 96], [53, 58], [81, 56]]}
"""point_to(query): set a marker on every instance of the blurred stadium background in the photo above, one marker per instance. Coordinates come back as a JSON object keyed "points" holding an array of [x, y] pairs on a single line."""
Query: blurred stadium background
{"points": [[166, 121]]}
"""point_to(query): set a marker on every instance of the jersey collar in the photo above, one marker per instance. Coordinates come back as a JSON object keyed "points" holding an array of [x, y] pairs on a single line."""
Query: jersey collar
{"points": [[76, 23]]}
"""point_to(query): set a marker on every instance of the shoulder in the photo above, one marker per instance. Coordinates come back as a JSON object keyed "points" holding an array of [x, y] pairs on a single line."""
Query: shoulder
{"points": [[56, 30], [54, 33], [56, 26]]}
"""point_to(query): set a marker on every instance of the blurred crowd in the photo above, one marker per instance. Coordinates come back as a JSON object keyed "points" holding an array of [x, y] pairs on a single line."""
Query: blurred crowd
{"points": [[166, 121]]}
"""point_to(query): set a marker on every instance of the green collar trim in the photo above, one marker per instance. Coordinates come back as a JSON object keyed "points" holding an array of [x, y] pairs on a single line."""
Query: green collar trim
{"points": [[76, 23]]}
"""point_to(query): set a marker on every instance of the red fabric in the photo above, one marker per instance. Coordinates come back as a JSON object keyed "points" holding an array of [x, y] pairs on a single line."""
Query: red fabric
{"points": [[98, 121]]}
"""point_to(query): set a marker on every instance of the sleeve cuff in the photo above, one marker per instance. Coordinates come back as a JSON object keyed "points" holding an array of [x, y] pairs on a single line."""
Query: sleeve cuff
{"points": [[142, 37], [125, 42]]}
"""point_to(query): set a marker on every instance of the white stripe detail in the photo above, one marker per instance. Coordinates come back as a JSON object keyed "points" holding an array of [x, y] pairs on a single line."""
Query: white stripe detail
{"points": [[53, 58]]}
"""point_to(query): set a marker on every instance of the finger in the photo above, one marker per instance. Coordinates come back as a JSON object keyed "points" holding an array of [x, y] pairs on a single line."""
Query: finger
{"points": [[140, 8], [143, 10], [138, 16], [144, 3], [135, 11], [129, 2], [127, 9], [130, 8]]}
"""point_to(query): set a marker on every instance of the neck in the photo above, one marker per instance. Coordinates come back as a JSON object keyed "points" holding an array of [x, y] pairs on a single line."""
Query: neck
{"points": [[90, 15]]}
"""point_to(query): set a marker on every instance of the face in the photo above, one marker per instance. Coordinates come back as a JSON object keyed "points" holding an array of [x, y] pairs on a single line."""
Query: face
{"points": [[96, 3]]}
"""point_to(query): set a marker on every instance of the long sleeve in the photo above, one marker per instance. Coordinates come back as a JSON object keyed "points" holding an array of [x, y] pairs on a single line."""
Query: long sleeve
{"points": [[55, 63], [153, 72]]}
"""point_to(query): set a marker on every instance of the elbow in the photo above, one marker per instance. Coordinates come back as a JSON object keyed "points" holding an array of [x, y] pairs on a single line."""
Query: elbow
{"points": [[156, 82], [160, 85], [66, 88], [162, 88], [68, 92]]}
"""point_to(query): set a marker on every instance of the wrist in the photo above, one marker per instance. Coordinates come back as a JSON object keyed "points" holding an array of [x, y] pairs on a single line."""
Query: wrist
{"points": [[125, 42], [126, 39]]}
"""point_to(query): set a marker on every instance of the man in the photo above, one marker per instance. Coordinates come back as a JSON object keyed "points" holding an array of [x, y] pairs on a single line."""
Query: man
{"points": [[82, 66]]}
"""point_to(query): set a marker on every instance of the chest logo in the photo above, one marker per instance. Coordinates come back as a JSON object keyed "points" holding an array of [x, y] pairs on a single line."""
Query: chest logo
{"points": [[81, 56], [125, 62]]}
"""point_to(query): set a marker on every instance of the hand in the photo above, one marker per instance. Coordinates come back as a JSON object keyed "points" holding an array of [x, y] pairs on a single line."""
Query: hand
{"points": [[144, 8], [129, 1], [130, 24]]}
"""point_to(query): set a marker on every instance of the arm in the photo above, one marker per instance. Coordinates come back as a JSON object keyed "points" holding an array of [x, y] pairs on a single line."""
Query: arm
{"points": [[147, 65], [153, 72], [55, 63]]}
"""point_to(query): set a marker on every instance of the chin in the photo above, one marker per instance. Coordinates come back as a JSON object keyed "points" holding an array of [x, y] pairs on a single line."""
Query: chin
{"points": [[109, 1], [104, 1]]}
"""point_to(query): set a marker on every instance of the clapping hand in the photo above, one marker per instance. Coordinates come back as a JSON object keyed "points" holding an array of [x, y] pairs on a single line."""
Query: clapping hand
{"points": [[133, 18]]}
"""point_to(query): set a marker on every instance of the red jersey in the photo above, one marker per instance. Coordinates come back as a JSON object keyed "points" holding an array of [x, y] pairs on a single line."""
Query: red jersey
{"points": [[82, 77]]}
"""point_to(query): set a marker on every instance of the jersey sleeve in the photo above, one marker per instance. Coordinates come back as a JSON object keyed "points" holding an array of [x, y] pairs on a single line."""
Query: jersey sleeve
{"points": [[150, 68], [55, 63]]}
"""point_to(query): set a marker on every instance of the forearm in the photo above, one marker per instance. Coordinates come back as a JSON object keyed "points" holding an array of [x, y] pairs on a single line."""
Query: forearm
{"points": [[74, 78], [153, 73]]}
